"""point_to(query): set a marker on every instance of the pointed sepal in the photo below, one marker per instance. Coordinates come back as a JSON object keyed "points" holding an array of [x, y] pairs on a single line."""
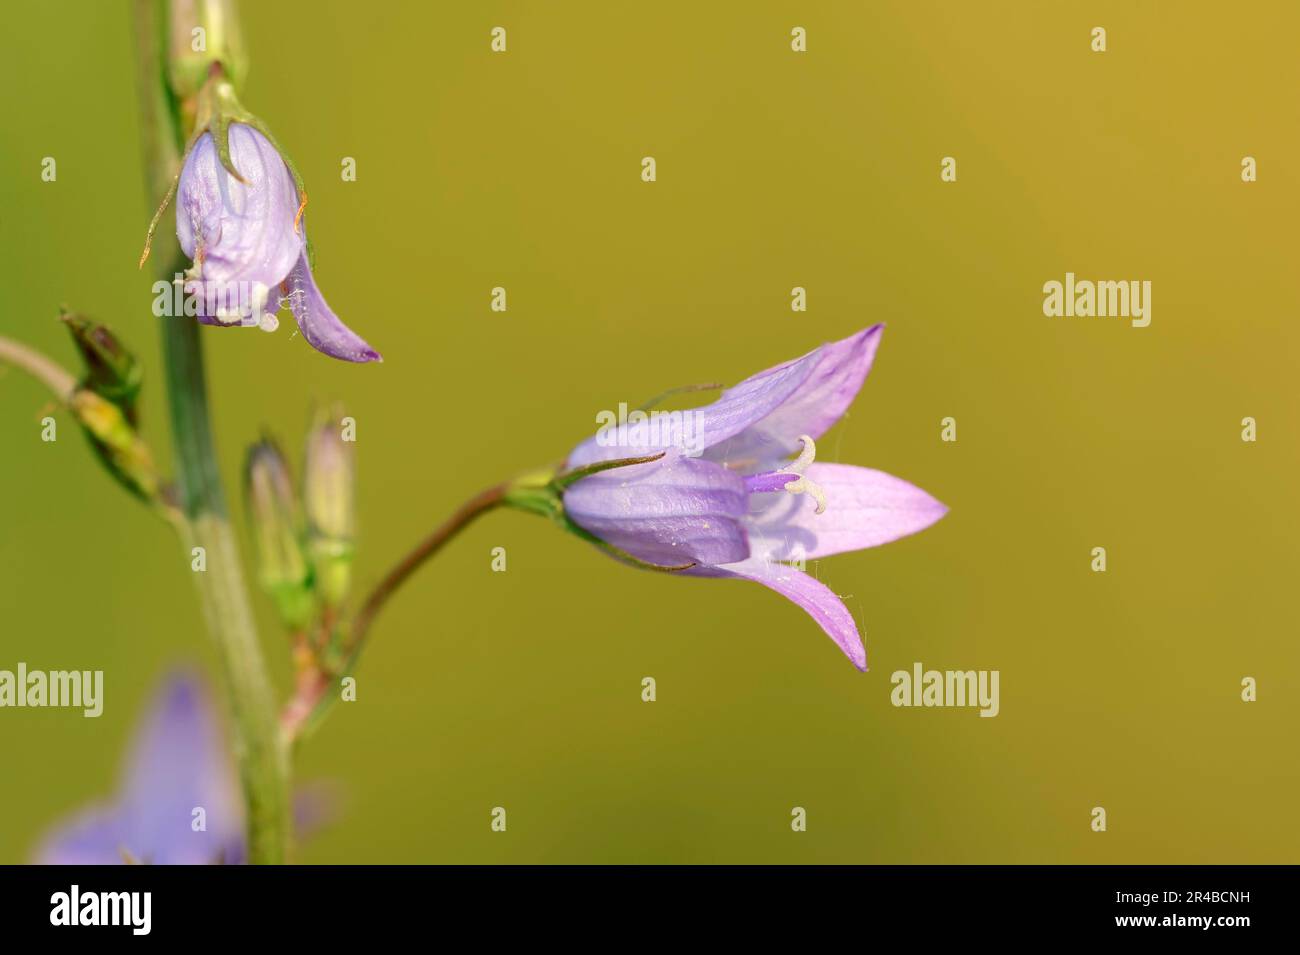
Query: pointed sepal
{"points": [[119, 446]]}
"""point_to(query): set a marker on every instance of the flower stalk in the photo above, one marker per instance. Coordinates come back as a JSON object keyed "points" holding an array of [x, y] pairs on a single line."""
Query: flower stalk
{"points": [[263, 762], [312, 701], [47, 372]]}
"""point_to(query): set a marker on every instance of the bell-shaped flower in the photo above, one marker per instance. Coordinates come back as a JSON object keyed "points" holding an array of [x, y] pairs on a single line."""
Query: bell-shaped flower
{"points": [[239, 218], [178, 802], [249, 245], [734, 490]]}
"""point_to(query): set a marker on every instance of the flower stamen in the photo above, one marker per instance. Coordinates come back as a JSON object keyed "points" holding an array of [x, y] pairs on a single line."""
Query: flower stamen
{"points": [[804, 486], [807, 455], [776, 480]]}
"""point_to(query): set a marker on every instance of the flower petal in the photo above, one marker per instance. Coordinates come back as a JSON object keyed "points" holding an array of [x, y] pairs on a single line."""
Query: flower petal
{"points": [[819, 400], [319, 325], [92, 838], [864, 508], [818, 600], [757, 422], [178, 764], [674, 511], [241, 233], [701, 428]]}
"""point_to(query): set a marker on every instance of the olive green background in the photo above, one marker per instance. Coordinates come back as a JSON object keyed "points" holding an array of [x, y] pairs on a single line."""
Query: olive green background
{"points": [[775, 169]]}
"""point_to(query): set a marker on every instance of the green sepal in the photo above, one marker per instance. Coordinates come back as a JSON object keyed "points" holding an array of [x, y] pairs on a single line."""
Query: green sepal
{"points": [[295, 603], [536, 493], [563, 481], [218, 108], [331, 561], [121, 450]]}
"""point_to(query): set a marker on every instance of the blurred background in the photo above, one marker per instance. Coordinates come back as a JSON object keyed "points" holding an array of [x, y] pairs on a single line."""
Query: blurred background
{"points": [[775, 169]]}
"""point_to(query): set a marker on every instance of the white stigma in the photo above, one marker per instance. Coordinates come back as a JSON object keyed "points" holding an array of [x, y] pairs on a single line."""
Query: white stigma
{"points": [[800, 464]]}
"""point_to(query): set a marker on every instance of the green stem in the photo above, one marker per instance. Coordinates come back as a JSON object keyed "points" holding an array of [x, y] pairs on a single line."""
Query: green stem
{"points": [[313, 699], [465, 515], [263, 761], [47, 372]]}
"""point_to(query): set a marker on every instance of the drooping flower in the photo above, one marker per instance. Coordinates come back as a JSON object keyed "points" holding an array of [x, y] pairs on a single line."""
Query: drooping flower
{"points": [[178, 764], [715, 492], [249, 245], [239, 217]]}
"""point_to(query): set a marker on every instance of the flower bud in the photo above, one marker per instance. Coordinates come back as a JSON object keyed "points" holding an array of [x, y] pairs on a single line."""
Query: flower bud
{"points": [[203, 33], [115, 440], [112, 372], [328, 481], [276, 525]]}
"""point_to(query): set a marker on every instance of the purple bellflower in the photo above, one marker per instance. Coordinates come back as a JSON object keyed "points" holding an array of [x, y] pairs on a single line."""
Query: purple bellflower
{"points": [[177, 765], [249, 245], [716, 494], [239, 218]]}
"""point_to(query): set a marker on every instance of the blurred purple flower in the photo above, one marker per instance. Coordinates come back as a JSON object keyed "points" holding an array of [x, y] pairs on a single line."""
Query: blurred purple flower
{"points": [[740, 507], [249, 247], [178, 763]]}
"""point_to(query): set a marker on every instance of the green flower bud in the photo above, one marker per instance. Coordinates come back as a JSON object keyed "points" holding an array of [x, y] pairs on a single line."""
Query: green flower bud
{"points": [[328, 481], [117, 443], [111, 371], [276, 524], [201, 34]]}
